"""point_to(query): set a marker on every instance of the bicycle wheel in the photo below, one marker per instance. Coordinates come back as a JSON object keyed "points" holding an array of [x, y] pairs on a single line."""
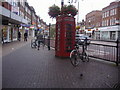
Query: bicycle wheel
{"points": [[33, 45], [74, 58], [85, 57]]}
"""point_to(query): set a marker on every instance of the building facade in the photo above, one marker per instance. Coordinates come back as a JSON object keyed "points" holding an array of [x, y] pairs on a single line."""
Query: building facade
{"points": [[93, 22], [17, 15], [110, 21], [105, 24]]}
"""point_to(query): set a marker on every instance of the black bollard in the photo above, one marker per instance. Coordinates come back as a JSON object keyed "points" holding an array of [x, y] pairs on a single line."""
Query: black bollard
{"points": [[48, 42]]}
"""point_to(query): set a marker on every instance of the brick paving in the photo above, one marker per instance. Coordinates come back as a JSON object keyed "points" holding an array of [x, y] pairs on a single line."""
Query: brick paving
{"points": [[12, 46], [29, 68]]}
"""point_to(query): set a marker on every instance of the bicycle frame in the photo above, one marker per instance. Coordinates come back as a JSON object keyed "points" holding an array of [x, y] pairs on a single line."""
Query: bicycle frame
{"points": [[76, 53]]}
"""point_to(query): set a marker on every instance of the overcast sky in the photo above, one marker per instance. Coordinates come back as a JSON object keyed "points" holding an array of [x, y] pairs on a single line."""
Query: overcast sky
{"points": [[85, 6]]}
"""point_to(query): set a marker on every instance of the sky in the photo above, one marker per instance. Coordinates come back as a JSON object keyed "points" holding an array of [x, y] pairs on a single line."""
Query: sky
{"points": [[85, 6]]}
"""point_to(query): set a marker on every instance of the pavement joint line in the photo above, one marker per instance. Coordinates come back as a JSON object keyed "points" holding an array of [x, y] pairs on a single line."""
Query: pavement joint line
{"points": [[100, 60]]}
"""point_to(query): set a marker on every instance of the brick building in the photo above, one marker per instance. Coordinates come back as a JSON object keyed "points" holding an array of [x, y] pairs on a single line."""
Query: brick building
{"points": [[111, 14], [110, 21], [93, 21], [17, 15]]}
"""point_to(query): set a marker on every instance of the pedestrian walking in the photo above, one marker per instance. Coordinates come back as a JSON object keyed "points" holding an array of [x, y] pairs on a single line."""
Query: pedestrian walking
{"points": [[85, 43], [19, 36], [40, 39], [2, 37], [90, 35], [25, 36]]}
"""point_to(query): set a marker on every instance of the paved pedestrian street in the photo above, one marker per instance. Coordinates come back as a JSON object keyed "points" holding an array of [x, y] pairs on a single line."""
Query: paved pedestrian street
{"points": [[25, 67]]}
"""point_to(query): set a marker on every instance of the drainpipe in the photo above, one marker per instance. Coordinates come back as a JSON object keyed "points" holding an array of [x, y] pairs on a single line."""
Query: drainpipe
{"points": [[117, 52]]}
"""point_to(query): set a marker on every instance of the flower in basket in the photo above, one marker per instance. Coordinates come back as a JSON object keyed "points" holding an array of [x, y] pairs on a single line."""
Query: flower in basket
{"points": [[69, 10], [54, 11], [64, 10]]}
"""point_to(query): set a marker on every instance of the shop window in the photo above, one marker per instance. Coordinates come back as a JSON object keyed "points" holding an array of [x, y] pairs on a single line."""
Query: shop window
{"points": [[4, 32], [112, 35]]}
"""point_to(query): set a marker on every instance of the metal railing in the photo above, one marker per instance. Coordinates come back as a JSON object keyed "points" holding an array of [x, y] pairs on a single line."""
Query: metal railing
{"points": [[118, 52], [101, 51], [105, 52]]}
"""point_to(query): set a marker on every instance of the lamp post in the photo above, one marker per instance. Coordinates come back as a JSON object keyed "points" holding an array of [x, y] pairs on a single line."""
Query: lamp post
{"points": [[62, 3], [49, 38], [78, 13], [71, 1]]}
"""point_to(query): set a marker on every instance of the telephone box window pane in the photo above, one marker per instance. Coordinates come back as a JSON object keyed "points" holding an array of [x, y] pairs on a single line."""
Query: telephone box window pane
{"points": [[68, 35]]}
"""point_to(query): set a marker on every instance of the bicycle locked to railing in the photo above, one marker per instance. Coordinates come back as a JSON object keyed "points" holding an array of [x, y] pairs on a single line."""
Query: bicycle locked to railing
{"points": [[36, 44], [76, 55]]}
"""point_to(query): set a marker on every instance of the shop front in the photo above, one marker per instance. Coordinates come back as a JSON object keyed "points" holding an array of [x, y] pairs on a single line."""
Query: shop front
{"points": [[9, 33], [15, 33], [105, 35], [6, 33], [88, 32], [109, 33], [97, 35]]}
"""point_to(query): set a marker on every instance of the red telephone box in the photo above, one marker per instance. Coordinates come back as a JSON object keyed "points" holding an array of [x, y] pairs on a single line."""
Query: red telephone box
{"points": [[65, 36]]}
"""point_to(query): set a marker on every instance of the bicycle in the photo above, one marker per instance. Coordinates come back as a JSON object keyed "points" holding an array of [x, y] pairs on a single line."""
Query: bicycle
{"points": [[76, 55], [35, 43], [41, 42]]}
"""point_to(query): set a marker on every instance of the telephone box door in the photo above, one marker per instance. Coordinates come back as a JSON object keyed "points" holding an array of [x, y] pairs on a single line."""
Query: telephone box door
{"points": [[65, 36]]}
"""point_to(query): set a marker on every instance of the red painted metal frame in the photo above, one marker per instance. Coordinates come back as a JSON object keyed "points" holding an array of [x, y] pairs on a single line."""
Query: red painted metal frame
{"points": [[65, 38]]}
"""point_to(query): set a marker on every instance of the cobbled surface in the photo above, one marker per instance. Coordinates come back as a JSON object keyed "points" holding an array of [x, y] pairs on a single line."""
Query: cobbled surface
{"points": [[29, 68]]}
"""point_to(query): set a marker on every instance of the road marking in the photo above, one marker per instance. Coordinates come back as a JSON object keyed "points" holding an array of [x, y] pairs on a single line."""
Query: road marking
{"points": [[97, 52]]}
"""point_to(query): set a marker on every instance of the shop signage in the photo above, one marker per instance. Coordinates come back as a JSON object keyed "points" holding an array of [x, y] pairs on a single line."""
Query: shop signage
{"points": [[40, 29], [89, 29], [25, 25], [110, 28], [15, 10]]}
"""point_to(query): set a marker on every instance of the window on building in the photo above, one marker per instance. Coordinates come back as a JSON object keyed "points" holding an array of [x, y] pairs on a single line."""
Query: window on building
{"points": [[103, 23], [115, 11], [114, 21], [111, 12], [107, 22], [110, 22], [103, 15], [107, 13]]}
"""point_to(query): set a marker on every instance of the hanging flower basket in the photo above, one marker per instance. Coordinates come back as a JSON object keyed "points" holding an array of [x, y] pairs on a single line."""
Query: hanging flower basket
{"points": [[69, 10], [54, 11]]}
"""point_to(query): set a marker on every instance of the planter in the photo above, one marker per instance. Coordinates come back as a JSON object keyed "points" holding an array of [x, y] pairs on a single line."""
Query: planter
{"points": [[69, 10]]}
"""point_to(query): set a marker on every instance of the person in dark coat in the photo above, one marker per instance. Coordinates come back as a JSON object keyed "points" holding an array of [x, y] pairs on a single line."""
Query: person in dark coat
{"points": [[39, 39], [2, 37], [25, 36], [19, 36]]}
